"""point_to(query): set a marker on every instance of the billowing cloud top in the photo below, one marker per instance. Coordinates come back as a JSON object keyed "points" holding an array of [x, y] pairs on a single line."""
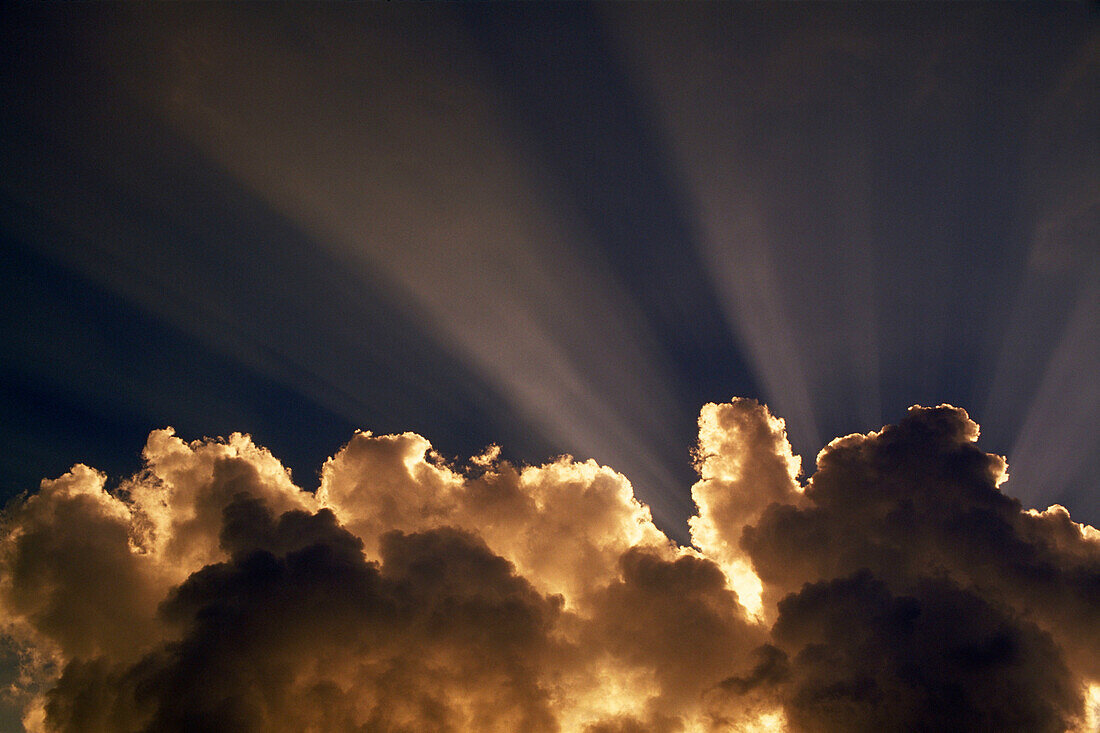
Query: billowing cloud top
{"points": [[897, 589]]}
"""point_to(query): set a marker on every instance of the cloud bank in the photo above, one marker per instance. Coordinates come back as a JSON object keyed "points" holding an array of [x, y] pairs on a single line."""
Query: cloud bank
{"points": [[896, 589]]}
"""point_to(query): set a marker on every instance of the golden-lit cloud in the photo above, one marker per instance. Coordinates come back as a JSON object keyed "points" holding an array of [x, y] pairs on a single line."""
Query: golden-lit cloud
{"points": [[898, 587]]}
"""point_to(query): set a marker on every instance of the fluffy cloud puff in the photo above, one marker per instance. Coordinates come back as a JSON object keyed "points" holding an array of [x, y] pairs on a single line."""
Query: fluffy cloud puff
{"points": [[897, 589]]}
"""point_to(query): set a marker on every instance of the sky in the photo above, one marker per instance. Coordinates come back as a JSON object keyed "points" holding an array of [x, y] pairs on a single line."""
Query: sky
{"points": [[535, 231]]}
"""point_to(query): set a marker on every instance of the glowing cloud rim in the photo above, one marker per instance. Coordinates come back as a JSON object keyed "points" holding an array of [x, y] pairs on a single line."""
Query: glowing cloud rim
{"points": [[408, 592]]}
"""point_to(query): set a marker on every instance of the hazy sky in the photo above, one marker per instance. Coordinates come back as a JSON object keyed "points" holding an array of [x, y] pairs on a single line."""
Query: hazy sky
{"points": [[560, 229]]}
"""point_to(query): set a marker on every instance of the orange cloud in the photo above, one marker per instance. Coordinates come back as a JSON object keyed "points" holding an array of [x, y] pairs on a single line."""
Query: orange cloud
{"points": [[897, 587]]}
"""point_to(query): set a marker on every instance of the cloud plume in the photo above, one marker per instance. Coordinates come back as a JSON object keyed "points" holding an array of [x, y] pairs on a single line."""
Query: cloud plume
{"points": [[895, 588]]}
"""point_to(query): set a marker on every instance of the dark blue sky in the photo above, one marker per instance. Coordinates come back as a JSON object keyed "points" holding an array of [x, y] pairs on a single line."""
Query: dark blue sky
{"points": [[560, 228]]}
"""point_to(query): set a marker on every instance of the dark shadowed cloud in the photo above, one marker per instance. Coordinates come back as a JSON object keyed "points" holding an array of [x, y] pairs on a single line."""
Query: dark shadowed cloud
{"points": [[897, 588]]}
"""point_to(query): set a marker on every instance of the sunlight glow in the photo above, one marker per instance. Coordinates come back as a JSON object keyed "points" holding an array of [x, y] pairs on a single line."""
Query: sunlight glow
{"points": [[1092, 709], [497, 278], [746, 583], [620, 691]]}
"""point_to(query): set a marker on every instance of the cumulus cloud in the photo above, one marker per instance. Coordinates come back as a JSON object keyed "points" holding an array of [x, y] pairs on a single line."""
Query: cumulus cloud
{"points": [[897, 588]]}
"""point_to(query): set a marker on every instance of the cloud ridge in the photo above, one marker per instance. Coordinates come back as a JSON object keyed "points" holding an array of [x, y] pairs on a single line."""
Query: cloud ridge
{"points": [[896, 588]]}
